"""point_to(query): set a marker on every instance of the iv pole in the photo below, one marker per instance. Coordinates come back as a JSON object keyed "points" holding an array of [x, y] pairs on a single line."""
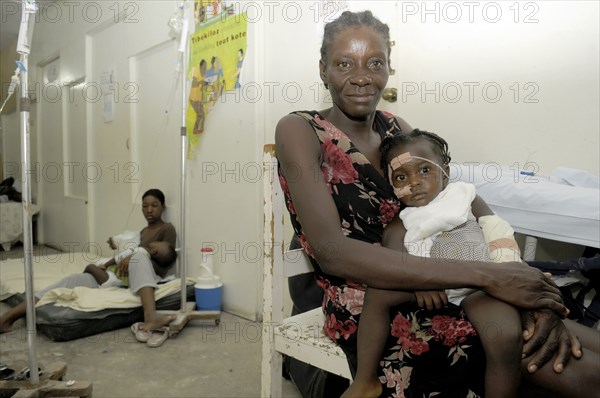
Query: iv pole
{"points": [[186, 312], [23, 48], [183, 43], [54, 372]]}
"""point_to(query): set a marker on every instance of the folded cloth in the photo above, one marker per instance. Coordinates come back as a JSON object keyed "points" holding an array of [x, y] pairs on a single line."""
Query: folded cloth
{"points": [[448, 210], [576, 178], [88, 300]]}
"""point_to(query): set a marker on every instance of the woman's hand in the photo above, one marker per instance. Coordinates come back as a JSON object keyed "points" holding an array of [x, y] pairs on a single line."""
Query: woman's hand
{"points": [[524, 287], [123, 267], [545, 335]]}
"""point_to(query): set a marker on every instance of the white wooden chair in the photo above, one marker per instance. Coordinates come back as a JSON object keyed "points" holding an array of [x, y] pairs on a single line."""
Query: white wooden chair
{"points": [[300, 336]]}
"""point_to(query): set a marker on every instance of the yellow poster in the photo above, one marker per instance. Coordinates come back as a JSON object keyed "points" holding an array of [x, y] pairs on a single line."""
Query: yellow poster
{"points": [[217, 51]]}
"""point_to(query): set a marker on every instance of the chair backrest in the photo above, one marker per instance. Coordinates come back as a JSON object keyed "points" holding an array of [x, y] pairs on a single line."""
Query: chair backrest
{"points": [[300, 336], [279, 263]]}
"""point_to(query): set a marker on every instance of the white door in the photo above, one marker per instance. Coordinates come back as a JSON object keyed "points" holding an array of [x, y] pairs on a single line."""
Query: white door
{"points": [[60, 172]]}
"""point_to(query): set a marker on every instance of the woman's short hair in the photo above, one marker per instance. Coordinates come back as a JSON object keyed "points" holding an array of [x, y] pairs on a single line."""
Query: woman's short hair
{"points": [[350, 19], [157, 193]]}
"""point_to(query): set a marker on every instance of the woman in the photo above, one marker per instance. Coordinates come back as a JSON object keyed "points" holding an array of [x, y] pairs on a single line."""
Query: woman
{"points": [[340, 202], [143, 273]]}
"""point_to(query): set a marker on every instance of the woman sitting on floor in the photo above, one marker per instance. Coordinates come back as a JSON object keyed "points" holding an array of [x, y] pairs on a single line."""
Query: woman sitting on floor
{"points": [[144, 274]]}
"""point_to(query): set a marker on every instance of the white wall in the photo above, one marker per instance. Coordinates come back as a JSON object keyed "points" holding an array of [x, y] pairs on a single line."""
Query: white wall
{"points": [[549, 57], [558, 54], [550, 54], [141, 147]]}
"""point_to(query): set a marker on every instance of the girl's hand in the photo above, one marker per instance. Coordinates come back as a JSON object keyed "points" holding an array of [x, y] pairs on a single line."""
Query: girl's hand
{"points": [[111, 243], [432, 299]]}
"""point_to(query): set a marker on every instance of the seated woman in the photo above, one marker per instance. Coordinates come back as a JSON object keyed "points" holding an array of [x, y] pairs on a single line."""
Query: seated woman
{"points": [[339, 202], [144, 274]]}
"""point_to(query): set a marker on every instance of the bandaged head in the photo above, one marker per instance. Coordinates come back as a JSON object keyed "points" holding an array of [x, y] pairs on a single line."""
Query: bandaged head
{"points": [[401, 159]]}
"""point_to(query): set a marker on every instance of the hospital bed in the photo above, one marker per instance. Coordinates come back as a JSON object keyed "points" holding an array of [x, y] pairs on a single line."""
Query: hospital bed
{"points": [[11, 227], [564, 206]]}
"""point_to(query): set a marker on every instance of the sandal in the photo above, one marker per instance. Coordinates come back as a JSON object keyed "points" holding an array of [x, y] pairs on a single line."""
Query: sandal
{"points": [[25, 374], [158, 337], [6, 373], [140, 334]]}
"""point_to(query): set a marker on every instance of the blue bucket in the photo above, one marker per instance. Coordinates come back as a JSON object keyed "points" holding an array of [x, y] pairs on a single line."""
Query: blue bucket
{"points": [[208, 296]]}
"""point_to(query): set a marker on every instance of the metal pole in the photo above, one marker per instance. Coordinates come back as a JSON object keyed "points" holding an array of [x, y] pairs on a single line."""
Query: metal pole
{"points": [[25, 34], [184, 143], [27, 233]]}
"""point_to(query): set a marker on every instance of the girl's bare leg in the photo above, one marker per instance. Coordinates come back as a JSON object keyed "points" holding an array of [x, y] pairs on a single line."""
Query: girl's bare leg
{"points": [[499, 327], [588, 337], [373, 332], [579, 377], [98, 273], [9, 317]]}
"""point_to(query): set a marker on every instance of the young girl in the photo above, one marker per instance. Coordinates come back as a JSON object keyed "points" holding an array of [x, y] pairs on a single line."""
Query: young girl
{"points": [[439, 223]]}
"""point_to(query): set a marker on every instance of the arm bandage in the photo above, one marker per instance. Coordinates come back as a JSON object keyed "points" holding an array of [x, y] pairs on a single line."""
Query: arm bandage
{"points": [[499, 236]]}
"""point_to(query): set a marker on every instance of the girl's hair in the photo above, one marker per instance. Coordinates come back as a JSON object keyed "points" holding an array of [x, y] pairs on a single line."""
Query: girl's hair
{"points": [[164, 259], [439, 145], [350, 19], [157, 193]]}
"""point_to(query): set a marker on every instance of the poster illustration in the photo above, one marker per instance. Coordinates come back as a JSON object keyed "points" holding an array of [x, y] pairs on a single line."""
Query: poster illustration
{"points": [[217, 52]]}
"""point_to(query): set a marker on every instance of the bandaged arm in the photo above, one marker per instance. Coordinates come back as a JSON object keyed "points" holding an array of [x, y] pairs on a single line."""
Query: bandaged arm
{"points": [[499, 236]]}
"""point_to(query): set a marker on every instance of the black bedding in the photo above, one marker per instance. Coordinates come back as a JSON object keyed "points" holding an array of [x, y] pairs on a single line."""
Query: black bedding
{"points": [[64, 324]]}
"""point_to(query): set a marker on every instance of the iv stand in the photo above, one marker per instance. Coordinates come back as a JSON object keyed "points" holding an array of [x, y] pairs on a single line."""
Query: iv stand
{"points": [[23, 48], [187, 309], [52, 386]]}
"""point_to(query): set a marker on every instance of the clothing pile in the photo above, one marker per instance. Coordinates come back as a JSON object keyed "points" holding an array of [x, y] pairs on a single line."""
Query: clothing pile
{"points": [[8, 193]]}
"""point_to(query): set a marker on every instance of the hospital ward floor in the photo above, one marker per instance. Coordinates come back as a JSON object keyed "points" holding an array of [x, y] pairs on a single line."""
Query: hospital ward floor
{"points": [[203, 360]]}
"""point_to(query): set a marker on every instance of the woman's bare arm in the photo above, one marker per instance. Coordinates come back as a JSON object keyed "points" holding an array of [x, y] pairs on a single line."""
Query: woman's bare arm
{"points": [[298, 152]]}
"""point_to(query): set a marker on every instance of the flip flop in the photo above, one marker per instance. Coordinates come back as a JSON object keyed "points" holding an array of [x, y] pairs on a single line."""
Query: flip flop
{"points": [[140, 334], [25, 374], [158, 337], [6, 373]]}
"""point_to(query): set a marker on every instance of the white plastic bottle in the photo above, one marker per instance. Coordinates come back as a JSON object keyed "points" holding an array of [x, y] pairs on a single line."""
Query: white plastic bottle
{"points": [[207, 260]]}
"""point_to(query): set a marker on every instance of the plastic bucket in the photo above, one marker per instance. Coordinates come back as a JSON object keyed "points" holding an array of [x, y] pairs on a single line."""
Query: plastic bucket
{"points": [[208, 295]]}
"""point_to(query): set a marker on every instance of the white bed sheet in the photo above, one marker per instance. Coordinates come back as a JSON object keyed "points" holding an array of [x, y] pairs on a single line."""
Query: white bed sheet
{"points": [[51, 268], [536, 205], [11, 225]]}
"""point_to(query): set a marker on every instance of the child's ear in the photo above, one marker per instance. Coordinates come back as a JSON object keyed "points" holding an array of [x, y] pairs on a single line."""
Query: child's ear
{"points": [[445, 179]]}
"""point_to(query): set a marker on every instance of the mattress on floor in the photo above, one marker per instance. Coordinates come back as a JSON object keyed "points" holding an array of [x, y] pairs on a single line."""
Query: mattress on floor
{"points": [[64, 323], [546, 207], [61, 323]]}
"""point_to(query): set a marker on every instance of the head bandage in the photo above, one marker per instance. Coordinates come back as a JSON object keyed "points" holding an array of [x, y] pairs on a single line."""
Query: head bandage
{"points": [[401, 159]]}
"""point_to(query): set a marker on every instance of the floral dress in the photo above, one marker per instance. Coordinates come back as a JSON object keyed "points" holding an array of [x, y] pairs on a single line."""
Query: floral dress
{"points": [[428, 353]]}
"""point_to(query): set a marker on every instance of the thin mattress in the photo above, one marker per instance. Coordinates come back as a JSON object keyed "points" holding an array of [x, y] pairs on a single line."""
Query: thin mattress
{"points": [[67, 314], [564, 206]]}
